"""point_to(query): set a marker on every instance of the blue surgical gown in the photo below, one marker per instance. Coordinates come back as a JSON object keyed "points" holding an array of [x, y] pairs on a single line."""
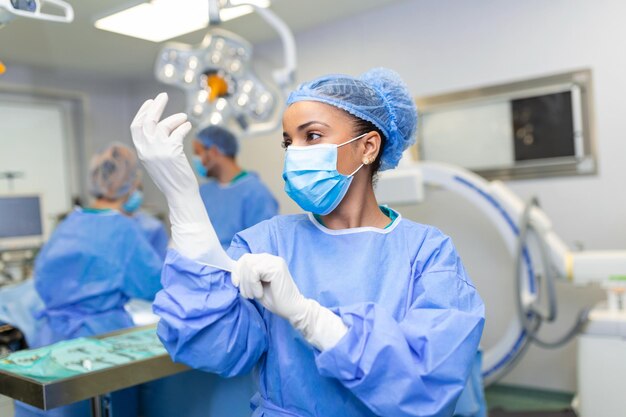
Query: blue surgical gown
{"points": [[237, 206], [232, 207], [154, 231], [414, 320], [93, 263]]}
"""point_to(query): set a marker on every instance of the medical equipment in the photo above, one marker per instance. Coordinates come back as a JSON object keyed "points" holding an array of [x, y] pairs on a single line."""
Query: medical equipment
{"points": [[515, 222], [21, 221], [220, 84], [21, 235], [100, 365], [32, 9]]}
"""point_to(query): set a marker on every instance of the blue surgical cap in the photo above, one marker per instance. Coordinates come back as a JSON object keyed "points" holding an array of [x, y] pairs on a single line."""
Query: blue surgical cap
{"points": [[221, 138], [378, 96], [113, 172]]}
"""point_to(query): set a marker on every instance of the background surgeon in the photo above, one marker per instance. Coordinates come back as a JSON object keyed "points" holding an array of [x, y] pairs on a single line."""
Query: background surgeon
{"points": [[348, 310], [152, 228], [235, 199], [95, 261]]}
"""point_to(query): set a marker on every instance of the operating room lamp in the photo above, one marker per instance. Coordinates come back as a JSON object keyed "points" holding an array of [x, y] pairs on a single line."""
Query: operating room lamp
{"points": [[31, 9], [219, 81]]}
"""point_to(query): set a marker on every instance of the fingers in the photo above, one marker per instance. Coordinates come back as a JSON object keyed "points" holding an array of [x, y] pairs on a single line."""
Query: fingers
{"points": [[234, 277], [182, 130], [247, 278], [141, 113], [154, 112], [171, 123], [255, 288]]}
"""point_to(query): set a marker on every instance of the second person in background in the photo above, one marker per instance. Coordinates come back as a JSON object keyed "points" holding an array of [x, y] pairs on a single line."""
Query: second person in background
{"points": [[235, 199]]}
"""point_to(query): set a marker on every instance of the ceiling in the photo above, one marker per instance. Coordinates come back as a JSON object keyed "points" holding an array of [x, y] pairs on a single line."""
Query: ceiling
{"points": [[79, 46]]}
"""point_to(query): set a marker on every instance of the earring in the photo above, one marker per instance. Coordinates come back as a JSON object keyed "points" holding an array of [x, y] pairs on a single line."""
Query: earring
{"points": [[367, 161]]}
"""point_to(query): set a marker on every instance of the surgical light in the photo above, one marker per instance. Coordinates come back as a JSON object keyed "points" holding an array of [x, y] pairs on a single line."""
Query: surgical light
{"points": [[219, 81], [32, 9], [218, 78], [159, 20]]}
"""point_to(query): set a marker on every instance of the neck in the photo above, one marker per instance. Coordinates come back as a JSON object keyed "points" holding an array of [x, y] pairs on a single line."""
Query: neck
{"points": [[227, 170], [102, 204], [358, 208]]}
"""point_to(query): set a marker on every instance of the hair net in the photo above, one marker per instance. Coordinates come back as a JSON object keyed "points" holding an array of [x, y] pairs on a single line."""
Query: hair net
{"points": [[378, 96], [113, 172], [221, 138]]}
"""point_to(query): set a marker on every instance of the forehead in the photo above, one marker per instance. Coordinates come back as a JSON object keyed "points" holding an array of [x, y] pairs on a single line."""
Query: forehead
{"points": [[305, 111]]}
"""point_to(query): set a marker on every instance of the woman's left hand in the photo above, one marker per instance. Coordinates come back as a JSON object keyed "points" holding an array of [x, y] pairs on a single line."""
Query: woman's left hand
{"points": [[267, 278]]}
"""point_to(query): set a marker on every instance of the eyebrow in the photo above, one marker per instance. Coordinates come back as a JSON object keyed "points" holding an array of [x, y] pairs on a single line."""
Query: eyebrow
{"points": [[305, 125]]}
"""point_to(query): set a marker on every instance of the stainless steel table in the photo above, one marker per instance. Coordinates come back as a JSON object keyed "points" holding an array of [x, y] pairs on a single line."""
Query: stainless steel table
{"points": [[90, 385]]}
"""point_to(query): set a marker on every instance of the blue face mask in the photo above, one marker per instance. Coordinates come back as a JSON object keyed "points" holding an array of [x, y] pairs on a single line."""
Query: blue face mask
{"points": [[311, 177], [134, 202], [199, 167]]}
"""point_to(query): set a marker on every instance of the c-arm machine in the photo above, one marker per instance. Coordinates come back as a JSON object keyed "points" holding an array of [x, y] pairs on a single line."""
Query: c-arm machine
{"points": [[521, 225]]}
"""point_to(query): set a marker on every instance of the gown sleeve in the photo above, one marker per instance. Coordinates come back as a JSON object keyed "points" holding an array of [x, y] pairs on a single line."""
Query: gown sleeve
{"points": [[205, 324], [418, 365]]}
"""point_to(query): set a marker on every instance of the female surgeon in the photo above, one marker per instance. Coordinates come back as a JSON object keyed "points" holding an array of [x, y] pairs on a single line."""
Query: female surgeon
{"points": [[349, 310], [95, 260]]}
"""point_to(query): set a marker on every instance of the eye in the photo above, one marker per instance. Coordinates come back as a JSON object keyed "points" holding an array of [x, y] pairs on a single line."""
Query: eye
{"points": [[311, 136], [286, 142]]}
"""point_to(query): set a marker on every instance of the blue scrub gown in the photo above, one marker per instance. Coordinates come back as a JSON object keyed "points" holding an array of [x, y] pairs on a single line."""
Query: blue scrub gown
{"points": [[237, 206], [154, 231], [414, 320], [93, 263], [244, 202]]}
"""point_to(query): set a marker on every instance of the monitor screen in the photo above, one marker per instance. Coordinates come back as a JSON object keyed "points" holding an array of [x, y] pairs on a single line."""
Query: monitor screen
{"points": [[20, 216]]}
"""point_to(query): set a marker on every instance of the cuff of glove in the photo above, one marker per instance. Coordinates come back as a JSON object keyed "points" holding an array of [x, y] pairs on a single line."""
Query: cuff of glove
{"points": [[320, 327], [187, 208], [198, 242]]}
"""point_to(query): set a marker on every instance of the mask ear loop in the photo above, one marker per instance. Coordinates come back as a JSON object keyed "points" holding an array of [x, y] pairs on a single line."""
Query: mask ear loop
{"points": [[350, 141], [356, 170]]}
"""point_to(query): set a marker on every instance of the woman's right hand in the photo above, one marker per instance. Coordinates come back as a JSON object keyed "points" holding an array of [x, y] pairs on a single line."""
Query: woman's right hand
{"points": [[159, 146]]}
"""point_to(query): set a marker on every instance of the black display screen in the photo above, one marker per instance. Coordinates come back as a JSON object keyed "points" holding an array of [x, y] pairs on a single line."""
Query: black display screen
{"points": [[543, 127], [20, 217]]}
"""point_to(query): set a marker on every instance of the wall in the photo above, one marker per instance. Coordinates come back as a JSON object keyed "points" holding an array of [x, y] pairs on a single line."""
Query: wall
{"points": [[109, 107], [447, 45]]}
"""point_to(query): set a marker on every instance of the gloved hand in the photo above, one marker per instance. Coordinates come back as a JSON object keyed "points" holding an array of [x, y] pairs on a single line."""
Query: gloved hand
{"points": [[159, 146], [267, 278]]}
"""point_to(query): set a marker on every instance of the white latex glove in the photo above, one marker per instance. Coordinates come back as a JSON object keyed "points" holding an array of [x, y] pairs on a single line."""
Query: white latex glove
{"points": [[160, 148], [267, 278]]}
